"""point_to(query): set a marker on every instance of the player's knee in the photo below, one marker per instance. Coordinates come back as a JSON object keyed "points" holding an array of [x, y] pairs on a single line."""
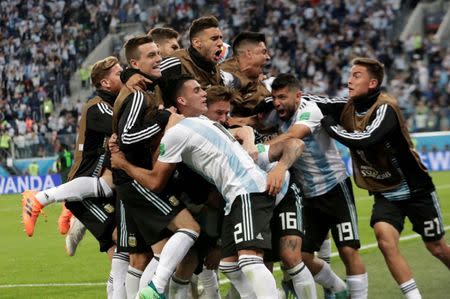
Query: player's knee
{"points": [[184, 221], [347, 254], [387, 247], [139, 260], [438, 249], [290, 250], [194, 226], [290, 259]]}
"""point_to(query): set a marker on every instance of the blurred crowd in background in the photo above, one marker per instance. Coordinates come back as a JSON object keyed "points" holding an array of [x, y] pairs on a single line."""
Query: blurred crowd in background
{"points": [[42, 43]]}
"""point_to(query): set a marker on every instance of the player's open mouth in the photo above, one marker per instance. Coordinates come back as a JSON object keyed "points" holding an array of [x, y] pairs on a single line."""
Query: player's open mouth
{"points": [[280, 111], [217, 55]]}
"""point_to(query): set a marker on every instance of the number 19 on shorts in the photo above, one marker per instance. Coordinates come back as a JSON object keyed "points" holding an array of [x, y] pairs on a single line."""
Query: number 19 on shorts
{"points": [[345, 231]]}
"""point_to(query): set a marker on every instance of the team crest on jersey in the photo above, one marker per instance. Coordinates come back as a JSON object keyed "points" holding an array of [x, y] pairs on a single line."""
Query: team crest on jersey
{"points": [[162, 149], [304, 116], [109, 208], [261, 148], [174, 201], [132, 242]]}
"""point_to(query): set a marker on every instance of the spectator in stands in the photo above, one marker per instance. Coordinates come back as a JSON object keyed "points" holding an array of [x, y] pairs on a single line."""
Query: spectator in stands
{"points": [[42, 45], [37, 59], [64, 162], [5, 144], [33, 168], [84, 76]]}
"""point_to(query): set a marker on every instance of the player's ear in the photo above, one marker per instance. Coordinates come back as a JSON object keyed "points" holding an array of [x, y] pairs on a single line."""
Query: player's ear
{"points": [[181, 100], [105, 83], [196, 42], [133, 63], [373, 83]]}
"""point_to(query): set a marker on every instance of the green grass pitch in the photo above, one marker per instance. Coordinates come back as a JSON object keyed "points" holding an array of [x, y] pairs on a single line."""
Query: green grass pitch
{"points": [[38, 267]]}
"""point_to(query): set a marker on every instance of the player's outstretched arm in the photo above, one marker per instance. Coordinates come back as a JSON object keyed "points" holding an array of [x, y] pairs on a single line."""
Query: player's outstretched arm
{"points": [[298, 131], [155, 179], [375, 132], [286, 151]]}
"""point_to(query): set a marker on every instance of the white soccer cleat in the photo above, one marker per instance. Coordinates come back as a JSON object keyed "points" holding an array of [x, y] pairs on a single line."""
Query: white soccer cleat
{"points": [[74, 235]]}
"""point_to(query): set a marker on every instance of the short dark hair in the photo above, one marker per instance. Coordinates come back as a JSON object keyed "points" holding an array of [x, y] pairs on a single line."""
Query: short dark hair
{"points": [[373, 66], [245, 38], [201, 24], [101, 69], [173, 88], [131, 46], [285, 80], [219, 93], [161, 34]]}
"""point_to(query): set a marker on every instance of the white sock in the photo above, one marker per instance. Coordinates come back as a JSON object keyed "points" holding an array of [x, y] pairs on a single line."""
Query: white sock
{"points": [[75, 190], [258, 275], [178, 288], [328, 279], [358, 286], [149, 271], [208, 279], [303, 282], [237, 278], [410, 290], [193, 289], [171, 255], [132, 281], [110, 287], [324, 252], [119, 269]]}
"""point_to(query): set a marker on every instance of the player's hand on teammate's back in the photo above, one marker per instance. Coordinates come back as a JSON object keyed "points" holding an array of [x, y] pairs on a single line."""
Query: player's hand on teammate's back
{"points": [[112, 143], [173, 120], [172, 109], [118, 160], [137, 82]]}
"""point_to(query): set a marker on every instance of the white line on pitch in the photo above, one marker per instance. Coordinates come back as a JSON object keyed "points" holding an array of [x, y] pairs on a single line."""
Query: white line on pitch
{"points": [[222, 281]]}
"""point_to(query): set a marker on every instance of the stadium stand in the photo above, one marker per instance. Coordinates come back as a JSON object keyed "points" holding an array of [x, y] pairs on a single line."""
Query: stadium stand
{"points": [[43, 44]]}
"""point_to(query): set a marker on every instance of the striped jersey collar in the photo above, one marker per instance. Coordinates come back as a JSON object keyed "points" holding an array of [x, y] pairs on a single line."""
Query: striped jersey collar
{"points": [[364, 102], [106, 96]]}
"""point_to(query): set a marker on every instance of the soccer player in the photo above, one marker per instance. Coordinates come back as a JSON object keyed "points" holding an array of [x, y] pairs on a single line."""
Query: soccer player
{"points": [[328, 196], [246, 69], [148, 217], [195, 141], [201, 57], [85, 177], [385, 163], [201, 200], [166, 39], [218, 99]]}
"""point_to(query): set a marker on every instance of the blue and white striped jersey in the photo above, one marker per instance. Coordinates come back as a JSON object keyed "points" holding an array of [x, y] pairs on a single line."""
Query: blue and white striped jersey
{"points": [[320, 167], [210, 150]]}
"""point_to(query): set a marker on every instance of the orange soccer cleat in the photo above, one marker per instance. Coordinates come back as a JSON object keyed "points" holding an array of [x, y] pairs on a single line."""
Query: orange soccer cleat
{"points": [[31, 208], [64, 220]]}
